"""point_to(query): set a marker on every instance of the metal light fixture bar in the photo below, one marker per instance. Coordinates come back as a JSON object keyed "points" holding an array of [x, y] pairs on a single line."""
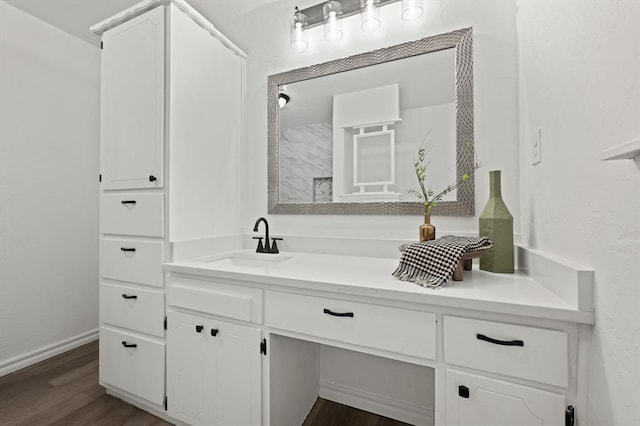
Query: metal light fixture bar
{"points": [[315, 16]]}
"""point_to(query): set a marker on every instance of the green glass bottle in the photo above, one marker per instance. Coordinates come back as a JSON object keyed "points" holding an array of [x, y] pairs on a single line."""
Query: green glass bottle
{"points": [[496, 223]]}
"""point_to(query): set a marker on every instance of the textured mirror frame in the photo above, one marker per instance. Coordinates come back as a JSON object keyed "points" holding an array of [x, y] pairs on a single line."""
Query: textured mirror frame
{"points": [[462, 41]]}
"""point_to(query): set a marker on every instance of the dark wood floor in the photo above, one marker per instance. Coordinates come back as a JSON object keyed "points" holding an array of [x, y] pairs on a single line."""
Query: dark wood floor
{"points": [[64, 391], [329, 413]]}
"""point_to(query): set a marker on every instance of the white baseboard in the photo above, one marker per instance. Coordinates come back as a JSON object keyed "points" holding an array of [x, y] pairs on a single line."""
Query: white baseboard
{"points": [[377, 404], [30, 358]]}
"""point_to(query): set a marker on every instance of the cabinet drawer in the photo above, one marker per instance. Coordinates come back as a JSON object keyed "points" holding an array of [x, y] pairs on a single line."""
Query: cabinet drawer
{"points": [[133, 214], [133, 261], [535, 354], [133, 308], [243, 303], [138, 370], [397, 330]]}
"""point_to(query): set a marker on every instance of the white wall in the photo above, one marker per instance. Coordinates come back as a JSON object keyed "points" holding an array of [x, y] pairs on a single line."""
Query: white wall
{"points": [[264, 34], [205, 133], [49, 129], [580, 83], [439, 122], [387, 380]]}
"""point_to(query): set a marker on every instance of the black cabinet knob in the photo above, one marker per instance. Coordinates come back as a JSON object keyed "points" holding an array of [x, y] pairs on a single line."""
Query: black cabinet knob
{"points": [[214, 332], [463, 391], [199, 328], [152, 178]]}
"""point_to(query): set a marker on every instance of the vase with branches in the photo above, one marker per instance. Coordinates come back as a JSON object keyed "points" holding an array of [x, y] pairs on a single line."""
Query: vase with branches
{"points": [[430, 198]]}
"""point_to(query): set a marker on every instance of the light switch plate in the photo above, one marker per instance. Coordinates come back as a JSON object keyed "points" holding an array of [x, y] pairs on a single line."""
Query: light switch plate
{"points": [[536, 147]]}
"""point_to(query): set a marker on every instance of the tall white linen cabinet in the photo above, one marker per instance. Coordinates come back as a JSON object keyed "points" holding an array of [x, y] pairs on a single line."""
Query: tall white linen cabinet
{"points": [[172, 107]]}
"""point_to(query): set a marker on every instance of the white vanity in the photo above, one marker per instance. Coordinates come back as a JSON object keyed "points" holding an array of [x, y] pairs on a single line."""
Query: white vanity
{"points": [[246, 331], [241, 338]]}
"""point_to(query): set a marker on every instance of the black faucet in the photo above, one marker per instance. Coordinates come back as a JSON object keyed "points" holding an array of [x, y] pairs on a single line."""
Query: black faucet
{"points": [[268, 247]]}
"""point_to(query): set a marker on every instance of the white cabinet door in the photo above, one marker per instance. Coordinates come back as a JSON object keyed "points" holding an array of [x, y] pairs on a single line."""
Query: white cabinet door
{"points": [[214, 371], [480, 401], [132, 103], [189, 384]]}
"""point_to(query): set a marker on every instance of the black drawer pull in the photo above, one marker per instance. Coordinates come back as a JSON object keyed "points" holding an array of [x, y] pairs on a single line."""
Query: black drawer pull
{"points": [[129, 345], [199, 328], [128, 202], [127, 249], [499, 342], [338, 314], [126, 296], [214, 332]]}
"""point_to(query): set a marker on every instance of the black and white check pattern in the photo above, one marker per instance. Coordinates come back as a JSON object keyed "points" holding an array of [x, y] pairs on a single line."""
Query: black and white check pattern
{"points": [[431, 263]]}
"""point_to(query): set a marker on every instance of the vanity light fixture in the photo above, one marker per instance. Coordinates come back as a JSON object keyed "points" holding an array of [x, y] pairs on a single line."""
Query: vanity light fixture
{"points": [[298, 36], [283, 99], [332, 23], [411, 9], [370, 13], [331, 13]]}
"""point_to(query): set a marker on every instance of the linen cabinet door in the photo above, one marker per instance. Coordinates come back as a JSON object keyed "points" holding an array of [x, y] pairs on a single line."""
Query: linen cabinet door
{"points": [[474, 400], [132, 103]]}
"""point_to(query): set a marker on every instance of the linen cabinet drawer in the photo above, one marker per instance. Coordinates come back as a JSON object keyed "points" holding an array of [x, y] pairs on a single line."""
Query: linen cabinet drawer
{"points": [[530, 353], [133, 308], [133, 214], [397, 330], [231, 301], [133, 364], [133, 261]]}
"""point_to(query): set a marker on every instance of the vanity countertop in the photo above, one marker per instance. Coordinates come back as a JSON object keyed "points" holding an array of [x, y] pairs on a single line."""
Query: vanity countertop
{"points": [[516, 294]]}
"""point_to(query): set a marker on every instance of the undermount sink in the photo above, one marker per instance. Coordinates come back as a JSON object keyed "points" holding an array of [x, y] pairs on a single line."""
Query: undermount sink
{"points": [[247, 259]]}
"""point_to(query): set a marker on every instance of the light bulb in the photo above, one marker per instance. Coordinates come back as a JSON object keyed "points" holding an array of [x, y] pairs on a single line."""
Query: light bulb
{"points": [[283, 99], [370, 14], [298, 39], [411, 9], [332, 24]]}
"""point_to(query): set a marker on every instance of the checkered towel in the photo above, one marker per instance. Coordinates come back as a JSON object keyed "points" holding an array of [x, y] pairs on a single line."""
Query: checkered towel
{"points": [[431, 263]]}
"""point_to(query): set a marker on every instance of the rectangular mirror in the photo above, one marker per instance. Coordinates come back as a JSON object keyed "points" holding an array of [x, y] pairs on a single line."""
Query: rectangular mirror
{"points": [[345, 140]]}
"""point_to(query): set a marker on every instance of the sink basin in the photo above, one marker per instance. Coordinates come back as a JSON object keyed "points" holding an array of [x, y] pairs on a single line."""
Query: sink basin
{"points": [[247, 259]]}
